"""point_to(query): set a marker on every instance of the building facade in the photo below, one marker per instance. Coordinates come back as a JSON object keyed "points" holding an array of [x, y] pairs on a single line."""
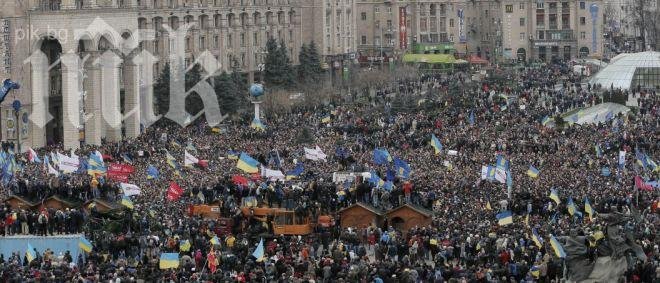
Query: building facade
{"points": [[86, 67]]}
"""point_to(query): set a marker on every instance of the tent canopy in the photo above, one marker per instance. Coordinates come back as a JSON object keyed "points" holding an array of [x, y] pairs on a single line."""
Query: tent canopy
{"points": [[474, 59], [429, 58]]}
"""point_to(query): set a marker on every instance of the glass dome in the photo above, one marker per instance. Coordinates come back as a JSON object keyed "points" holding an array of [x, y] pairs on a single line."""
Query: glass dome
{"points": [[630, 70]]}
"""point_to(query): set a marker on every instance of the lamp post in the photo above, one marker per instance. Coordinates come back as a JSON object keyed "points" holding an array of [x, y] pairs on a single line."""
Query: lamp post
{"points": [[17, 110]]}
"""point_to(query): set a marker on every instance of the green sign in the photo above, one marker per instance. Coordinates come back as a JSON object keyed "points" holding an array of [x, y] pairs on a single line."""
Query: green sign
{"points": [[425, 47]]}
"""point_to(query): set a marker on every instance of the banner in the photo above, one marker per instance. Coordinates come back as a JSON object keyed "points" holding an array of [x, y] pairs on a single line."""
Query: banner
{"points": [[461, 26], [120, 172], [68, 164], [403, 33], [174, 192], [130, 189], [271, 174]]}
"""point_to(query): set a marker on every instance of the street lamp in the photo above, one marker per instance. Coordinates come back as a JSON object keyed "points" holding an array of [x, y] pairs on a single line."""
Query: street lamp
{"points": [[17, 110]]}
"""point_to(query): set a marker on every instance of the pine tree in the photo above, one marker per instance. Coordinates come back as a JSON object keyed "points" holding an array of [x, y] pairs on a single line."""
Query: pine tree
{"points": [[287, 69], [272, 68], [315, 60], [303, 67], [162, 91]]}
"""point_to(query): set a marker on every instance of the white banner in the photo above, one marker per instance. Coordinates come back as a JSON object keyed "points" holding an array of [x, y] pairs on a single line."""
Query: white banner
{"points": [[622, 158], [130, 189], [68, 164], [314, 154], [272, 174], [52, 171], [190, 159]]}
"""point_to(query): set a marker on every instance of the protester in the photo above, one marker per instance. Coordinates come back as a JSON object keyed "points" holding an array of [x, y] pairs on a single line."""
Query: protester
{"points": [[465, 243]]}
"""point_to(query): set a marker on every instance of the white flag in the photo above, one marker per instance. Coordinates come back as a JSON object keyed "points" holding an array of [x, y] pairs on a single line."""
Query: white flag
{"points": [[272, 174], [622, 158], [320, 153], [452, 152], [52, 171], [73, 154], [314, 154], [190, 159], [67, 164], [130, 189]]}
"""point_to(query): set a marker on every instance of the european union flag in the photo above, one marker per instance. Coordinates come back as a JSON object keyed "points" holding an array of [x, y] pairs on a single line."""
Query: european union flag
{"points": [[381, 156], [402, 168], [502, 163], [342, 153]]}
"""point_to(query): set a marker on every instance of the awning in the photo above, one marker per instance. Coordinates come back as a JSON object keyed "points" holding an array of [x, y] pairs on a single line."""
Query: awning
{"points": [[460, 61], [474, 59], [429, 58]]}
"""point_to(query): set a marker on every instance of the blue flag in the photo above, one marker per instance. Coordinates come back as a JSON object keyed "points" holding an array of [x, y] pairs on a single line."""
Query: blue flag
{"points": [[402, 168], [381, 156], [7, 85], [471, 118], [152, 172]]}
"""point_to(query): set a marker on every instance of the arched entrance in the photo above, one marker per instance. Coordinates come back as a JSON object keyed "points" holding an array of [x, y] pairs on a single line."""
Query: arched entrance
{"points": [[584, 52], [397, 223], [54, 130], [521, 54]]}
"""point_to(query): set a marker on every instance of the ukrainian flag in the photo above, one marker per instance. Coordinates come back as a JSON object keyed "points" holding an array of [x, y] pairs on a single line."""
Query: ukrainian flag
{"points": [[504, 218], [184, 245], [545, 120], [488, 207], [126, 201], [169, 260], [535, 271], [247, 163], [326, 119], [30, 254], [257, 125], [215, 241], [588, 209], [557, 248], [259, 251], [171, 161], [532, 172], [554, 196], [571, 206], [536, 238], [233, 155], [435, 143], [95, 165], [84, 244], [295, 172]]}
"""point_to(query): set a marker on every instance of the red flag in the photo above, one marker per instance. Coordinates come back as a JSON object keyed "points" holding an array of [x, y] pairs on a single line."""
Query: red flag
{"points": [[639, 183], [174, 192], [213, 263], [203, 163], [239, 180]]}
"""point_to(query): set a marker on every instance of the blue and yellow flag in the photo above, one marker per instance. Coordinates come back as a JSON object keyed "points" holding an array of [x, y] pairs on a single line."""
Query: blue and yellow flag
{"points": [[537, 239], [247, 163], [554, 196], [502, 162], [152, 172], [375, 180], [84, 244], [169, 260], [504, 218], [215, 241], [435, 143], [233, 155], [259, 251], [557, 248], [95, 164], [257, 124], [184, 245], [30, 254], [532, 172], [127, 202], [291, 174], [588, 209], [171, 161], [571, 206]]}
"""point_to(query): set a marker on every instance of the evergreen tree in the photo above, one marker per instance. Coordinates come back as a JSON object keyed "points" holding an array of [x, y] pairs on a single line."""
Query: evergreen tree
{"points": [[287, 69], [162, 91], [315, 60], [303, 67], [272, 65], [309, 70], [194, 102]]}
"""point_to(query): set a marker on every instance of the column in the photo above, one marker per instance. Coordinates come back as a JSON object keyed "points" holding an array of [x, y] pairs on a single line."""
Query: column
{"points": [[131, 99], [145, 61], [70, 100], [110, 99], [40, 90], [93, 115]]}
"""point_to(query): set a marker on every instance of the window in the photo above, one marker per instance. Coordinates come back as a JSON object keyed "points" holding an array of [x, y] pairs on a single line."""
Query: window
{"points": [[509, 9], [541, 34], [242, 40], [521, 6], [202, 43], [522, 22], [522, 36], [230, 44], [582, 5], [188, 47], [376, 9], [255, 39], [583, 21], [583, 35], [539, 5], [364, 39], [156, 46], [215, 41], [363, 16], [451, 23]]}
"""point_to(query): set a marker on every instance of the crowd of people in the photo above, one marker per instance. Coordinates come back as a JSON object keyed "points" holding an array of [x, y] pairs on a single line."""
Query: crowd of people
{"points": [[464, 243]]}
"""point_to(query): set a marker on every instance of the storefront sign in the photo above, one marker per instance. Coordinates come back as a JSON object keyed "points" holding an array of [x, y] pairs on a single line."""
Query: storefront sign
{"points": [[403, 33]]}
